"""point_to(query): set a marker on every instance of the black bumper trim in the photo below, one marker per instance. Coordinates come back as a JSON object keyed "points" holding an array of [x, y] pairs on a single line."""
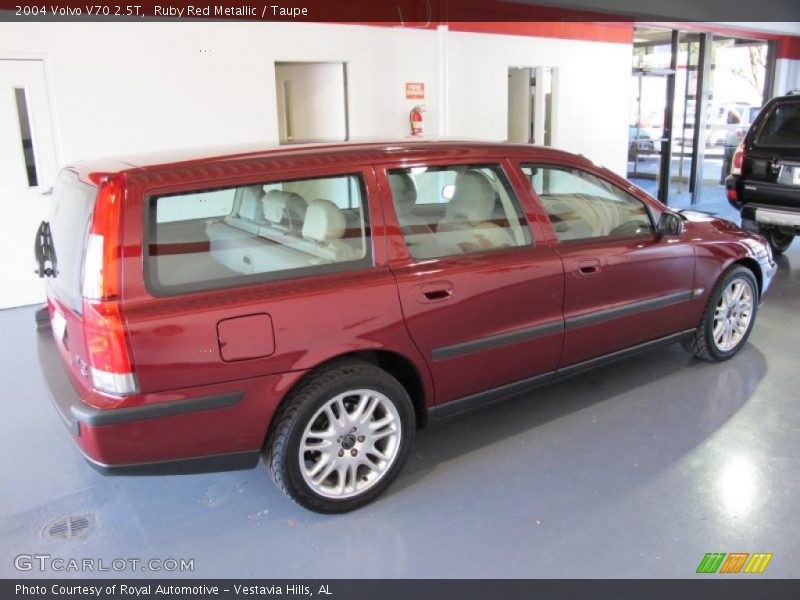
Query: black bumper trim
{"points": [[233, 461], [95, 417], [42, 317]]}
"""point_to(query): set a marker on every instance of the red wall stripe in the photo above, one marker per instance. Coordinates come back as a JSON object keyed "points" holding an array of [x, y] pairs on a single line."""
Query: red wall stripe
{"points": [[620, 33], [788, 47]]}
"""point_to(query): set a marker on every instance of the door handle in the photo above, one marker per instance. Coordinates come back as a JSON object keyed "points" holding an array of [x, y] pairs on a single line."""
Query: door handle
{"points": [[435, 291], [587, 267], [437, 294]]}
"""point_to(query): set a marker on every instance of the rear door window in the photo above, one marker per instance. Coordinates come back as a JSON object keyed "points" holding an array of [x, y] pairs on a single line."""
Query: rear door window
{"points": [[781, 127], [231, 236]]}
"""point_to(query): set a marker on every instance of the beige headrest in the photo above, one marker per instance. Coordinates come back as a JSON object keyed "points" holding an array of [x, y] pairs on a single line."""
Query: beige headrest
{"points": [[280, 205], [324, 221], [251, 203], [404, 192], [473, 198]]}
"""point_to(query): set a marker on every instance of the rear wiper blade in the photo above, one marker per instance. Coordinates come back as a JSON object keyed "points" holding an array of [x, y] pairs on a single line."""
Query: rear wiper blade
{"points": [[45, 251]]}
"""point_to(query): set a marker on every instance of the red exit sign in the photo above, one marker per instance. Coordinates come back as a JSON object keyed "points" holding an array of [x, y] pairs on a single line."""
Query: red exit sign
{"points": [[415, 91]]}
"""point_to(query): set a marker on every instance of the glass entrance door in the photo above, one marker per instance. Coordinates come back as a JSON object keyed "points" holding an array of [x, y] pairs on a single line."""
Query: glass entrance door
{"points": [[646, 139], [684, 119], [693, 96], [736, 82]]}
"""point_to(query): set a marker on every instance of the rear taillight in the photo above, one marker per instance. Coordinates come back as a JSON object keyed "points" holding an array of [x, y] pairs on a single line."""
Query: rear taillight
{"points": [[738, 160], [107, 345]]}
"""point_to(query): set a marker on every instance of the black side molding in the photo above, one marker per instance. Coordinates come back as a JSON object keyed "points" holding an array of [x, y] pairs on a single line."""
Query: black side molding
{"points": [[456, 407], [629, 309], [557, 326], [95, 417], [494, 341], [233, 461]]}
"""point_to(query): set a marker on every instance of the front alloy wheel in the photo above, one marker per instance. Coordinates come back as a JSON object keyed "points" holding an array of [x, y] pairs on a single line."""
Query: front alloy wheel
{"points": [[728, 317], [733, 314]]}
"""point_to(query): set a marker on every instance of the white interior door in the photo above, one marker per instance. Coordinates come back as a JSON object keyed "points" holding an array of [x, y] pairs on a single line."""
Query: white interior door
{"points": [[312, 103], [27, 170]]}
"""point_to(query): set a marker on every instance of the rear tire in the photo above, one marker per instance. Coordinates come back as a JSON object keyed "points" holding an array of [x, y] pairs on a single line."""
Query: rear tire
{"points": [[728, 317], [778, 240], [341, 437]]}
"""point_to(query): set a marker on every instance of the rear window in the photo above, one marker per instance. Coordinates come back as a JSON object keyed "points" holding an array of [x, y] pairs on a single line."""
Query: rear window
{"points": [[70, 213], [232, 236], [781, 128]]}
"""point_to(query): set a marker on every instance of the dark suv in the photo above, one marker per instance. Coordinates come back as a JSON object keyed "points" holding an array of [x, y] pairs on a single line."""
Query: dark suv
{"points": [[764, 184]]}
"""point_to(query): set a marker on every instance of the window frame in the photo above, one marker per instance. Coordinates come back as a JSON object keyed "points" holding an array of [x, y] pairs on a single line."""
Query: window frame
{"points": [[522, 164], [765, 115], [499, 164], [372, 259]]}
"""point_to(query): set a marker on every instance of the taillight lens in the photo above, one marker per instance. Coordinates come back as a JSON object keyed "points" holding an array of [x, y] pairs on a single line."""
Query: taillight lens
{"points": [[107, 345], [103, 251], [738, 160], [104, 324]]}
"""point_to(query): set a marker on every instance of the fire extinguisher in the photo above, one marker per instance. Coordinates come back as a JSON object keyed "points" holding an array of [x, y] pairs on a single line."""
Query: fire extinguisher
{"points": [[416, 120]]}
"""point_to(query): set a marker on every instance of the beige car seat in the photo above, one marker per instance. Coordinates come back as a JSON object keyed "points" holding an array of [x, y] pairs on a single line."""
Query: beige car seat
{"points": [[467, 225]]}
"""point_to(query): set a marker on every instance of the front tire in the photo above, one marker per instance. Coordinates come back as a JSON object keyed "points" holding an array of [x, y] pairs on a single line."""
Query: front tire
{"points": [[728, 318], [341, 437]]}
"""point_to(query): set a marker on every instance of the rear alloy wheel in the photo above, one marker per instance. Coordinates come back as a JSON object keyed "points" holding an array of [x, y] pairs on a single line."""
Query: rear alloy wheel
{"points": [[778, 240], [350, 444], [341, 437], [728, 318]]}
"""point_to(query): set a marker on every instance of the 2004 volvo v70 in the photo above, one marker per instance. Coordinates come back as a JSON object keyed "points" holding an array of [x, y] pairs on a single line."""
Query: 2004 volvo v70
{"points": [[317, 304]]}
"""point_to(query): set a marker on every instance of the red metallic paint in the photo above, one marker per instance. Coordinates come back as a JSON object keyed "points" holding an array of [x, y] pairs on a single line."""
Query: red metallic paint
{"points": [[239, 428], [174, 340]]}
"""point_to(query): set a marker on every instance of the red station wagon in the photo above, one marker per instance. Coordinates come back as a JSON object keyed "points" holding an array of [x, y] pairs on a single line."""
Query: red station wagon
{"points": [[318, 304]]}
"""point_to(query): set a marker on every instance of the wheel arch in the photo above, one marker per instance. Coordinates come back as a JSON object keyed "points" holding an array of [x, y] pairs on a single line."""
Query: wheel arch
{"points": [[752, 264], [397, 365]]}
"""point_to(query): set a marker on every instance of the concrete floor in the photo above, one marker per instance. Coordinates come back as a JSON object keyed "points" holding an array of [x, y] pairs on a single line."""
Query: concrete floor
{"points": [[636, 470]]}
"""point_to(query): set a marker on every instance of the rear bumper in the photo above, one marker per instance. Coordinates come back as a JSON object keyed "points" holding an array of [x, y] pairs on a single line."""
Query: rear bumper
{"points": [[212, 428], [777, 217]]}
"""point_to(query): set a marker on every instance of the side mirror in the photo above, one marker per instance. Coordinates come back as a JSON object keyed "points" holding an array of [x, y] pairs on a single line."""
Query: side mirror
{"points": [[670, 224]]}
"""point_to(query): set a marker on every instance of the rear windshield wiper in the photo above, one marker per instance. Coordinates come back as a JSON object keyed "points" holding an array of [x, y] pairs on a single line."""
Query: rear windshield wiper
{"points": [[45, 251]]}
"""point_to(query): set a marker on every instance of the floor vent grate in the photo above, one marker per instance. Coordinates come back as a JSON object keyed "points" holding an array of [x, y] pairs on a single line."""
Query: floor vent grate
{"points": [[65, 528]]}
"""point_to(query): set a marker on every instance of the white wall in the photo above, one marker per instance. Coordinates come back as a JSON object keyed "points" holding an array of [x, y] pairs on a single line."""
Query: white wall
{"points": [[125, 88], [590, 107], [122, 88], [787, 76]]}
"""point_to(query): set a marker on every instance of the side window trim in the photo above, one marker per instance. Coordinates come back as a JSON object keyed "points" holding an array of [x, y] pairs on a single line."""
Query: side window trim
{"points": [[522, 165], [363, 174]]}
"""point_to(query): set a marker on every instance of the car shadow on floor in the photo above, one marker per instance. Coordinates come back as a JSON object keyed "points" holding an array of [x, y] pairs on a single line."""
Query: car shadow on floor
{"points": [[648, 411]]}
